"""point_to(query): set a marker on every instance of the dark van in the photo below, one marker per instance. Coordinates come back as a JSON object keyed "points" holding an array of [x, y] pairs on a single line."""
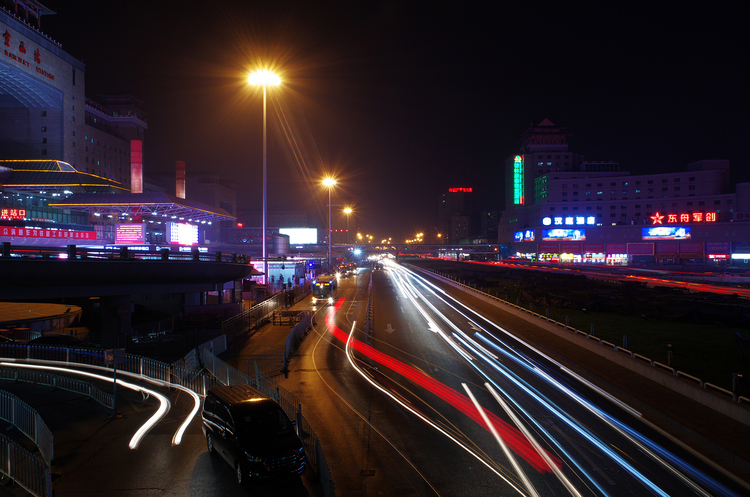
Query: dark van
{"points": [[252, 433]]}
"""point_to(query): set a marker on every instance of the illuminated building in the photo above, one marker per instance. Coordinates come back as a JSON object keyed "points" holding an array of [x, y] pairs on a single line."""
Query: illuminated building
{"points": [[560, 207]]}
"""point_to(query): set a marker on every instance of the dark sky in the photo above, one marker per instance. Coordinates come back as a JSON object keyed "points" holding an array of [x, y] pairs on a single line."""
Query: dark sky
{"points": [[402, 100]]}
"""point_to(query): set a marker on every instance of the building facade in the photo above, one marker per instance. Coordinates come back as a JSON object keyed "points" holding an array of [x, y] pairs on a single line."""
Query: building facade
{"points": [[561, 208]]}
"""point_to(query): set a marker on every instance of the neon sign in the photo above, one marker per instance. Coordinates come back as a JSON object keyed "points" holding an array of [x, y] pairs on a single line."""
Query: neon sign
{"points": [[518, 180], [695, 217], [569, 220], [13, 213], [459, 190]]}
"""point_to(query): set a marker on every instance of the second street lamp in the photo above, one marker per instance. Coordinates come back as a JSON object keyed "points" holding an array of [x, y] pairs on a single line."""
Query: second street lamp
{"points": [[329, 182], [348, 211]]}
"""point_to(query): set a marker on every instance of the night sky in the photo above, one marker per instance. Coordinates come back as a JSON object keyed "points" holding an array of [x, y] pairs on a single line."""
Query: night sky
{"points": [[403, 100]]}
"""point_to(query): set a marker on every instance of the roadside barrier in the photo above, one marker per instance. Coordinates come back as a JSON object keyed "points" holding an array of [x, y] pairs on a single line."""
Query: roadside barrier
{"points": [[17, 463]]}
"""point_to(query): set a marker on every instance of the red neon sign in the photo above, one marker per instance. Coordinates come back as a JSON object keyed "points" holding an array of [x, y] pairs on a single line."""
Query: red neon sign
{"points": [[13, 213], [458, 190], [695, 217]]}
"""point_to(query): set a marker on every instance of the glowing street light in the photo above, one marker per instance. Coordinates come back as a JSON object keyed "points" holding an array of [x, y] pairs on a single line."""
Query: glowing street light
{"points": [[348, 211], [264, 78], [329, 182]]}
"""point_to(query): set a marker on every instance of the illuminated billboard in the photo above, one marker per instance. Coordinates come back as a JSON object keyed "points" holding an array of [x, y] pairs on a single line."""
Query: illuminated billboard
{"points": [[564, 234], [182, 234], [301, 236], [518, 236], [131, 233], [518, 180], [666, 233]]}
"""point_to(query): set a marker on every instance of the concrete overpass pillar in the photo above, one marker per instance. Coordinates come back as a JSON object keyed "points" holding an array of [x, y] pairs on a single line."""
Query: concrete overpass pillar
{"points": [[115, 320]]}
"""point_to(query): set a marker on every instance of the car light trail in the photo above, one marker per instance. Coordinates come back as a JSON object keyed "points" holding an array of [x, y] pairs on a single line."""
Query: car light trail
{"points": [[575, 425], [560, 476], [501, 443], [145, 428], [177, 438], [529, 365], [419, 414], [511, 435]]}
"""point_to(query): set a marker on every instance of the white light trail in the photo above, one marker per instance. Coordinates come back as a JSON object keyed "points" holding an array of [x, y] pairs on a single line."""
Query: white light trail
{"points": [[501, 443], [164, 404], [542, 453], [420, 415]]}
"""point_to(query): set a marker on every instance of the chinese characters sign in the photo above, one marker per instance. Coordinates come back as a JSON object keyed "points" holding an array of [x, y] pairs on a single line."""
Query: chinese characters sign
{"points": [[569, 221], [518, 180], [695, 217], [7, 213], [42, 233]]}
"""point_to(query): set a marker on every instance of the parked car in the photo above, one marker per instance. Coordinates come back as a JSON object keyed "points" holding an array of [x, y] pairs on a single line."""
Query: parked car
{"points": [[251, 432]]}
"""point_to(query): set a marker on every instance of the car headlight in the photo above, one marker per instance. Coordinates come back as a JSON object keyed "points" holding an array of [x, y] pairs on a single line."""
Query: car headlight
{"points": [[251, 458]]}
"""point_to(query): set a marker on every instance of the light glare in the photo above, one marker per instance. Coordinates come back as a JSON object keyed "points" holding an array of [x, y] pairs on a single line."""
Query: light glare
{"points": [[264, 77]]}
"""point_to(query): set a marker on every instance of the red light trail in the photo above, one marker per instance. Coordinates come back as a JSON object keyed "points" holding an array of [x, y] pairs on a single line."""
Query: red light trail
{"points": [[512, 436]]}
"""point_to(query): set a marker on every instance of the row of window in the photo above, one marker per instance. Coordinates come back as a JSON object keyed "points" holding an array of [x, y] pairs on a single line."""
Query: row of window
{"points": [[625, 183], [701, 203]]}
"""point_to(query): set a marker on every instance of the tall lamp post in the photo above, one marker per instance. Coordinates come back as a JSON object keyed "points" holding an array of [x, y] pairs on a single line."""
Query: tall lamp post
{"points": [[329, 182], [348, 211], [264, 78]]}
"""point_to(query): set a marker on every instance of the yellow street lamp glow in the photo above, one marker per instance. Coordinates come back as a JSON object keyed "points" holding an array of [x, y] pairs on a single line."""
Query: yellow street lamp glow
{"points": [[348, 210], [329, 182], [264, 77]]}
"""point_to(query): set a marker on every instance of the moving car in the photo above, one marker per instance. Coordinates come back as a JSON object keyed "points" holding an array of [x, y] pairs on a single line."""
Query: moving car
{"points": [[251, 432]]}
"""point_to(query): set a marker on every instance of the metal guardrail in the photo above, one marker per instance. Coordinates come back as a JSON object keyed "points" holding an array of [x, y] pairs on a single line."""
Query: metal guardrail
{"points": [[28, 421], [702, 384], [23, 467], [57, 381], [123, 253]]}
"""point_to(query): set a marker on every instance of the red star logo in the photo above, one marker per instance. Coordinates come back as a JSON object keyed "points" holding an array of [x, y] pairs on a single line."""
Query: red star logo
{"points": [[656, 218]]}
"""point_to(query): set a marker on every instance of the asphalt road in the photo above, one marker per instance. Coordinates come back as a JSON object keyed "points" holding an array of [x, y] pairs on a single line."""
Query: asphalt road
{"points": [[409, 429]]}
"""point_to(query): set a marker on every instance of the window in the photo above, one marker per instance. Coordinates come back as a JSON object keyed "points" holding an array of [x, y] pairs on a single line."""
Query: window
{"points": [[664, 181], [691, 187], [44, 129], [44, 113], [650, 190], [44, 140], [677, 188], [613, 184], [637, 190], [599, 184], [599, 192], [677, 180], [650, 182], [717, 202], [588, 185], [612, 192], [730, 201], [665, 188], [637, 182], [44, 151], [690, 204], [701, 203], [624, 192], [691, 178]]}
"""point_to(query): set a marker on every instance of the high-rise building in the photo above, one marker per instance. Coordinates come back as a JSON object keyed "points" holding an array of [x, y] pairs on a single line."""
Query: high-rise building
{"points": [[562, 208], [455, 210]]}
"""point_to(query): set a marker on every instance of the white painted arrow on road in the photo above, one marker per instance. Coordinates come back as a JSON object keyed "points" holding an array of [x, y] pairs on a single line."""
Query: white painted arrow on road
{"points": [[390, 329]]}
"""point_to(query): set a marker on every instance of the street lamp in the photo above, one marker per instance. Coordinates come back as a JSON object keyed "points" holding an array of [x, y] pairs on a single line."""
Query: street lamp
{"points": [[264, 78], [329, 182], [348, 211]]}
